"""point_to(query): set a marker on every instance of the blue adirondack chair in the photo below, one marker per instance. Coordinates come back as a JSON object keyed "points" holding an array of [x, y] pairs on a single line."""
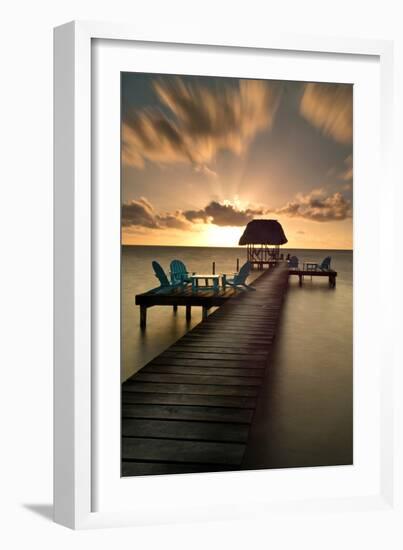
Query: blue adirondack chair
{"points": [[239, 280], [325, 265], [161, 276], [293, 262], [179, 273]]}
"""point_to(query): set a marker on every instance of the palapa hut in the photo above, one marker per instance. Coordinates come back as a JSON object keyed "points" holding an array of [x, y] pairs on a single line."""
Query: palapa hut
{"points": [[263, 239]]}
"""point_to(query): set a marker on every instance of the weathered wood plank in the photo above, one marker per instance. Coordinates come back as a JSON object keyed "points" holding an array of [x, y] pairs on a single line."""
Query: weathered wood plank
{"points": [[221, 327], [186, 348], [206, 378], [202, 356], [242, 391], [242, 316], [243, 343], [196, 400], [213, 343], [188, 412], [182, 451], [246, 340], [172, 429], [138, 468], [207, 371], [252, 347], [239, 329], [201, 347], [173, 360], [224, 328]]}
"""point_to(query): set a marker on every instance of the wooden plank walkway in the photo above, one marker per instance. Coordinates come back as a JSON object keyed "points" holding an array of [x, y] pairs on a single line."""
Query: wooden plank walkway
{"points": [[263, 264], [190, 408]]}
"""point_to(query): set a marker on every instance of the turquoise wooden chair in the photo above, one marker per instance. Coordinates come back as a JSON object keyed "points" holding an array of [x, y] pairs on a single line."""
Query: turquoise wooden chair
{"points": [[293, 262], [179, 273], [161, 276], [239, 280], [325, 265]]}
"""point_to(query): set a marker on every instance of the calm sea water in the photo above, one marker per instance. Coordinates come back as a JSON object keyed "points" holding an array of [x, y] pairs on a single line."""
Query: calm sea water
{"points": [[317, 321]]}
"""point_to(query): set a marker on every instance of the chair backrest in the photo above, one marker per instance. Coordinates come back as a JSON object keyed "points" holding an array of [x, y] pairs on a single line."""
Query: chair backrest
{"points": [[243, 274], [160, 274], [178, 270], [325, 265], [293, 262]]}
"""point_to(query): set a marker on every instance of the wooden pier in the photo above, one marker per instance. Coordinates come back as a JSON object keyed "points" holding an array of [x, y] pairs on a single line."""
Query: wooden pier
{"points": [[190, 408], [208, 297]]}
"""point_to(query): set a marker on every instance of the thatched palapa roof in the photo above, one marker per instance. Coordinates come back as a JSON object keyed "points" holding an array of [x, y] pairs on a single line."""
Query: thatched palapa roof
{"points": [[263, 232]]}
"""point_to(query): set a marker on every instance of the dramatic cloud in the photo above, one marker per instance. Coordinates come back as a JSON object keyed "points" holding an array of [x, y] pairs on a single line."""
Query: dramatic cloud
{"points": [[329, 107], [197, 122], [316, 206], [141, 213], [223, 214]]}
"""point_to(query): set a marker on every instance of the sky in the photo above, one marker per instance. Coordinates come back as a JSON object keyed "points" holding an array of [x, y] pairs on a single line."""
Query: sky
{"points": [[203, 156]]}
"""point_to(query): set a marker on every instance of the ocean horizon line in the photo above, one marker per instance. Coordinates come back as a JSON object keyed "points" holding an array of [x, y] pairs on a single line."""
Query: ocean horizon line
{"points": [[229, 247]]}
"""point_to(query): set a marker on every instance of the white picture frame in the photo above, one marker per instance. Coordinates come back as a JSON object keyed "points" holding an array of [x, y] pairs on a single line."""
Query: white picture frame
{"points": [[78, 388]]}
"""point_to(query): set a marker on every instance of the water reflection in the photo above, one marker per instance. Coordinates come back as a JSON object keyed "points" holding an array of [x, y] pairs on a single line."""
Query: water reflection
{"points": [[304, 416]]}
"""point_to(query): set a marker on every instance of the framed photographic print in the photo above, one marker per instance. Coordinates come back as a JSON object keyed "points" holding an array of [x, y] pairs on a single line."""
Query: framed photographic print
{"points": [[219, 227], [209, 163]]}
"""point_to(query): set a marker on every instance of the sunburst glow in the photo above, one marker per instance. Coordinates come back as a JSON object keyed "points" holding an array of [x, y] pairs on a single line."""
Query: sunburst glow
{"points": [[222, 236]]}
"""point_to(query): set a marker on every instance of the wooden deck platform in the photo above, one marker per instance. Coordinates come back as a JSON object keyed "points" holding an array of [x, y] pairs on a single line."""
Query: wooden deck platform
{"points": [[301, 273], [190, 408], [184, 296]]}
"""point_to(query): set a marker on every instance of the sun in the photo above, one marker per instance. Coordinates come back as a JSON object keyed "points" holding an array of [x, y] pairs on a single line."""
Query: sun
{"points": [[227, 236]]}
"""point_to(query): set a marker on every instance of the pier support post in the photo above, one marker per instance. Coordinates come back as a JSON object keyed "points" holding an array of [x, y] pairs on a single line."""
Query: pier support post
{"points": [[188, 313], [205, 313], [143, 317], [300, 279]]}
